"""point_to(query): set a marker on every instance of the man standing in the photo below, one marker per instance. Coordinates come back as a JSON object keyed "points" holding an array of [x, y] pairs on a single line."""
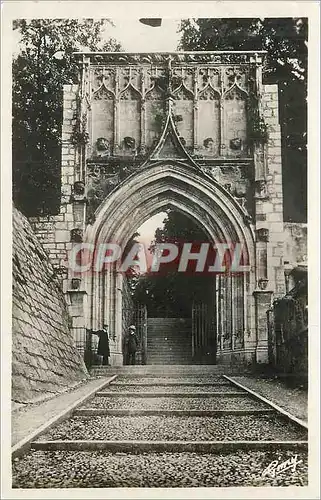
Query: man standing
{"points": [[131, 345], [103, 344]]}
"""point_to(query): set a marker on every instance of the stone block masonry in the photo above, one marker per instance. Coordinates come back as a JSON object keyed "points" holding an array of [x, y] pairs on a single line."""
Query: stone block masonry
{"points": [[54, 231], [274, 216], [45, 360]]}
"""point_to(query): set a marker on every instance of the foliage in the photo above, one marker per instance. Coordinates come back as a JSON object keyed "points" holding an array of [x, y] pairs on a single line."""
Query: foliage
{"points": [[43, 64], [258, 131], [285, 40], [132, 273]]}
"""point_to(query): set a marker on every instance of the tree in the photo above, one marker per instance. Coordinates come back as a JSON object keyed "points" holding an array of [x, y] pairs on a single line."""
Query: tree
{"points": [[43, 65], [285, 40]]}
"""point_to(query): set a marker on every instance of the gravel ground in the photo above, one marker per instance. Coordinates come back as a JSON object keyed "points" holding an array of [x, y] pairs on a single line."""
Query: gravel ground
{"points": [[171, 389], [293, 400], [165, 428], [230, 403], [44, 469]]}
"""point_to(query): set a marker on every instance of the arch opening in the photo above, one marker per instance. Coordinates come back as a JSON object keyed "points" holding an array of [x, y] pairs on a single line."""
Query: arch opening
{"points": [[206, 206]]}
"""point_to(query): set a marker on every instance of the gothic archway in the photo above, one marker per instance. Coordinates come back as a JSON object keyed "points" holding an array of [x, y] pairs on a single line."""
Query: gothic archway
{"points": [[183, 187]]}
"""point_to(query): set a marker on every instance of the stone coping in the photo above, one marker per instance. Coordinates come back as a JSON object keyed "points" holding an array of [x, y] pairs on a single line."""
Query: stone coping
{"points": [[26, 420]]}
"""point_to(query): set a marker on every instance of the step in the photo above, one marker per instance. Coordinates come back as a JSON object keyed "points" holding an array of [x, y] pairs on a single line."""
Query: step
{"points": [[117, 412], [152, 465], [169, 344], [171, 446], [165, 345], [164, 351], [217, 394], [170, 361], [229, 403], [225, 427], [165, 370]]}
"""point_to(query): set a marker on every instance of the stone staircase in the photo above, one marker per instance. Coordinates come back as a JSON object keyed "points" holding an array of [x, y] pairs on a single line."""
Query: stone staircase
{"points": [[169, 341]]}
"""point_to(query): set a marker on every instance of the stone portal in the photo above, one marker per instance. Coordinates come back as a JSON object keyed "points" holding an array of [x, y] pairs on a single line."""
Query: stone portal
{"points": [[195, 132]]}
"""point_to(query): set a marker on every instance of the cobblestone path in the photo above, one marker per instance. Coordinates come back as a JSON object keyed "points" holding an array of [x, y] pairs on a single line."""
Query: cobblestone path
{"points": [[167, 432]]}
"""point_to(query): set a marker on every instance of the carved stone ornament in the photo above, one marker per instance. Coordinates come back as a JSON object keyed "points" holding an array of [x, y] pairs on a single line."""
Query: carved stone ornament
{"points": [[260, 188], [209, 94], [102, 144], [75, 283], [235, 93], [240, 191], [208, 143], [236, 144], [263, 283], [228, 169], [242, 202], [79, 188], [262, 234], [76, 235], [178, 118], [122, 58], [90, 218]]}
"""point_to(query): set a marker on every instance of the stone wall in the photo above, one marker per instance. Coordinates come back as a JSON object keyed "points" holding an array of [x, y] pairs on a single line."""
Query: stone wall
{"points": [[288, 332], [296, 243], [273, 206], [55, 232], [45, 360]]}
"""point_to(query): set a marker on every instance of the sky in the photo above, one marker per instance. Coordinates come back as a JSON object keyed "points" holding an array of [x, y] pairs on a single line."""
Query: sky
{"points": [[137, 37], [147, 230]]}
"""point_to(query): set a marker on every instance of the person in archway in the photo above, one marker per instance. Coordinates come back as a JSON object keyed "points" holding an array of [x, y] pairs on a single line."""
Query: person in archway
{"points": [[131, 345], [103, 349]]}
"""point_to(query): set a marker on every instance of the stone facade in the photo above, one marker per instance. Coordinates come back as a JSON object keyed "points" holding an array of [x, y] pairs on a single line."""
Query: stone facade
{"points": [[197, 132], [45, 360]]}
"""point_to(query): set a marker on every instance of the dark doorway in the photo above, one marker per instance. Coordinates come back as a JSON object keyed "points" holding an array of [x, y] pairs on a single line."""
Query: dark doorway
{"points": [[180, 306]]}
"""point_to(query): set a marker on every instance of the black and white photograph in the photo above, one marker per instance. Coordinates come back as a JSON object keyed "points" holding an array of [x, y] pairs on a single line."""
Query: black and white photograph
{"points": [[160, 195]]}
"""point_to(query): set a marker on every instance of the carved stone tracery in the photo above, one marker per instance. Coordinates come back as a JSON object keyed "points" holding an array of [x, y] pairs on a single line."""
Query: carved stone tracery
{"points": [[208, 93]]}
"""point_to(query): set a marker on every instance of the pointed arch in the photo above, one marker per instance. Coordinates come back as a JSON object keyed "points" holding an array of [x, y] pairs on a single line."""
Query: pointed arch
{"points": [[102, 94], [170, 144], [182, 93], [222, 215], [157, 186], [184, 107], [130, 93], [235, 92], [235, 113], [129, 111], [210, 123], [101, 115], [154, 93], [209, 93]]}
